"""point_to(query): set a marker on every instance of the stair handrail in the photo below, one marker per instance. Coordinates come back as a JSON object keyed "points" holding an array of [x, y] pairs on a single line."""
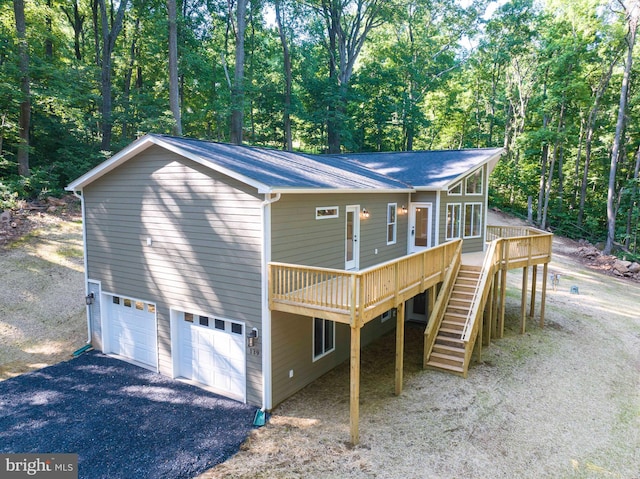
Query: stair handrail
{"points": [[440, 306], [487, 267]]}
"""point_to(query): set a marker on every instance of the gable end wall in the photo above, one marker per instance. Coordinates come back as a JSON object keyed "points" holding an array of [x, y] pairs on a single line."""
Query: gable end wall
{"points": [[205, 255]]}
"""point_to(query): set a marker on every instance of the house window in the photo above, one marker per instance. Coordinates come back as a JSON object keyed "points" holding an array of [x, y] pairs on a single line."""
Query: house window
{"points": [[456, 190], [325, 212], [472, 220], [392, 215], [324, 337], [385, 316], [474, 183], [454, 213]]}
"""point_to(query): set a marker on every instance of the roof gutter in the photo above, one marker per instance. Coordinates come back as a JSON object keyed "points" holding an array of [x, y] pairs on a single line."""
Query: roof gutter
{"points": [[267, 387]]}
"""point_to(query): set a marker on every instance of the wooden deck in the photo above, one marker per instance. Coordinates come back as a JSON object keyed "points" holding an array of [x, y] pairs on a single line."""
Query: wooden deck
{"points": [[357, 297]]}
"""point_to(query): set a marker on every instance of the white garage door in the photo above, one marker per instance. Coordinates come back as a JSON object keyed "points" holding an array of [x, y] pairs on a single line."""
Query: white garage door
{"points": [[132, 331], [211, 352]]}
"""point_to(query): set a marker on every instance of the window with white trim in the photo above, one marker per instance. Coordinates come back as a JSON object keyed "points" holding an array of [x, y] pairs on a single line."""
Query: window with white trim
{"points": [[472, 220], [392, 223], [455, 190], [324, 337], [473, 183], [326, 212], [454, 219]]}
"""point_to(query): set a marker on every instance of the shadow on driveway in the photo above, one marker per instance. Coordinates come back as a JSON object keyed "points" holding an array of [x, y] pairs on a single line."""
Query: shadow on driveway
{"points": [[122, 420]]}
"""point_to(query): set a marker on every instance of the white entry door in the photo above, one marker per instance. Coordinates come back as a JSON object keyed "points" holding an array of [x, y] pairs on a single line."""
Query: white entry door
{"points": [[212, 352], [352, 235], [420, 227]]}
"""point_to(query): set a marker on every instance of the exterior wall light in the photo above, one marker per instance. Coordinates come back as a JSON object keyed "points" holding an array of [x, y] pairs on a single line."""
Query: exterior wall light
{"points": [[365, 213], [403, 209], [89, 299], [251, 337]]}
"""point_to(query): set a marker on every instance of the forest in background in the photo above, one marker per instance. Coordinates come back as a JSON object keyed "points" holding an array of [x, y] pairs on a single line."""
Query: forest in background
{"points": [[554, 82]]}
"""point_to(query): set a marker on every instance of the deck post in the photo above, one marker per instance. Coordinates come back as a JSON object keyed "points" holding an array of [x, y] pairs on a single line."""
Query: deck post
{"points": [[494, 300], [534, 280], [503, 291], [543, 296], [354, 400], [523, 302], [399, 347]]}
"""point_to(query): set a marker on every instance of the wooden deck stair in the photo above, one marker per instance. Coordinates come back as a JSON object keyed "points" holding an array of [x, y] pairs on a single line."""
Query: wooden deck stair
{"points": [[449, 351]]}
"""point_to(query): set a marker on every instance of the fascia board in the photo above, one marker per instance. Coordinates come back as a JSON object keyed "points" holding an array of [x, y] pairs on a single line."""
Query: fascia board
{"points": [[142, 144], [116, 160], [339, 190]]}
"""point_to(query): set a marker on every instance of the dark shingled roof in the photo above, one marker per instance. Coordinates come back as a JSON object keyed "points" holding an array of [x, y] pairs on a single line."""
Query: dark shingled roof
{"points": [[271, 170], [283, 169], [425, 169]]}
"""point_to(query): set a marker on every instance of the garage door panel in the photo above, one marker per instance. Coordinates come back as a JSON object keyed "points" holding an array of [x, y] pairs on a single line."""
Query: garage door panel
{"points": [[212, 354], [132, 330]]}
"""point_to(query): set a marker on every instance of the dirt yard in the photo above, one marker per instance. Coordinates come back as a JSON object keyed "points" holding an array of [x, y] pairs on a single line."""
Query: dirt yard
{"points": [[558, 402]]}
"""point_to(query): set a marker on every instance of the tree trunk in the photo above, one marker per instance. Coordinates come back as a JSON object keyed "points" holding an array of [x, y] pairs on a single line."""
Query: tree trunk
{"points": [[632, 14], [25, 101], [126, 91], [633, 202], [108, 45], [237, 93], [174, 90], [76, 21], [286, 57]]}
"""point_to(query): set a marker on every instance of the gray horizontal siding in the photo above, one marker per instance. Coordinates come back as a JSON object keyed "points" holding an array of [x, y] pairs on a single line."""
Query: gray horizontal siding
{"points": [[206, 244], [301, 239], [293, 350]]}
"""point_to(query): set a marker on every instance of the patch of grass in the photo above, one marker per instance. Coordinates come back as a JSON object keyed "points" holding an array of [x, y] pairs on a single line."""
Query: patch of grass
{"points": [[70, 252]]}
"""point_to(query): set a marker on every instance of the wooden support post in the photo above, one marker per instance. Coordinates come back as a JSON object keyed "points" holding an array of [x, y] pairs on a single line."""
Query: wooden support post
{"points": [[399, 347], [523, 302], [488, 317], [494, 300], [503, 300], [479, 339], [432, 297], [543, 296], [354, 400], [534, 280]]}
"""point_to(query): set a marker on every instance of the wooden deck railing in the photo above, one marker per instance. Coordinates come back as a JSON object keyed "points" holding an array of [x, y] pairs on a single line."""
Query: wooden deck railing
{"points": [[510, 247], [342, 295], [347, 296]]}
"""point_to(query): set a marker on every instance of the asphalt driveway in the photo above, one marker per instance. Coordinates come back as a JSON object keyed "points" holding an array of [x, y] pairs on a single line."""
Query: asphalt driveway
{"points": [[123, 421]]}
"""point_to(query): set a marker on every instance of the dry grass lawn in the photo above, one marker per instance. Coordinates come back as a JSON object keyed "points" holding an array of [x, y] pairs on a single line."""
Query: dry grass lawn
{"points": [[557, 402]]}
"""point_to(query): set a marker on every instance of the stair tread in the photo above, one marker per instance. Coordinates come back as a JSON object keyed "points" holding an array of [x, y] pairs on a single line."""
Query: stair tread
{"points": [[451, 349], [447, 357], [447, 338], [449, 367]]}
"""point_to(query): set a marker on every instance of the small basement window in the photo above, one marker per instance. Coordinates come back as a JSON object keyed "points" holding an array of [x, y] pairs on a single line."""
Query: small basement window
{"points": [[324, 337], [326, 212]]}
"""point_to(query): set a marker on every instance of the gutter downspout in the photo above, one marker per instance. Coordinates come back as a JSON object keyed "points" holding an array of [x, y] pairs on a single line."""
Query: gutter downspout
{"points": [[86, 270], [267, 396]]}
